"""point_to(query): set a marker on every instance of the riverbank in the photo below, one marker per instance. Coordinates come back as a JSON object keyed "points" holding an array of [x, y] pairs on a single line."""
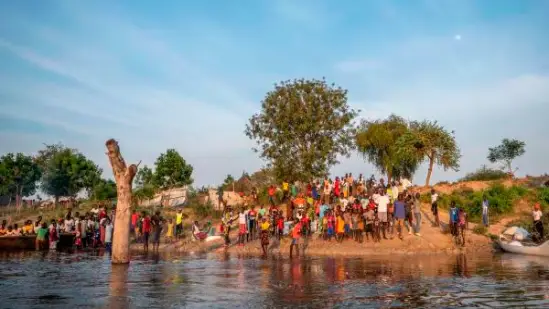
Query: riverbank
{"points": [[433, 240]]}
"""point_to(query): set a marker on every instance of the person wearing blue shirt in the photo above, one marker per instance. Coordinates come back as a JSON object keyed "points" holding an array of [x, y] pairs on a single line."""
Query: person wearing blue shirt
{"points": [[400, 213], [453, 218]]}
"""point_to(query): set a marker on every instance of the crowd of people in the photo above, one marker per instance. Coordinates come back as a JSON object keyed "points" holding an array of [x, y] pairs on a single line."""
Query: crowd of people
{"points": [[340, 209], [90, 230]]}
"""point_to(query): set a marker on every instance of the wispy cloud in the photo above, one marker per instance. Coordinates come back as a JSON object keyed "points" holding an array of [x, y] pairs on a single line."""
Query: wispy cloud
{"points": [[153, 79]]}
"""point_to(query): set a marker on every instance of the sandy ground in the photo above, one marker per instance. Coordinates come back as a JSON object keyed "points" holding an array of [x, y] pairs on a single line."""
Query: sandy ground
{"points": [[432, 241]]}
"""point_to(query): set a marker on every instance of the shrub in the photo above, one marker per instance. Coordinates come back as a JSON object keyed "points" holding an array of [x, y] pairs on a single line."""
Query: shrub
{"points": [[542, 195], [480, 229], [484, 174], [501, 199], [202, 210]]}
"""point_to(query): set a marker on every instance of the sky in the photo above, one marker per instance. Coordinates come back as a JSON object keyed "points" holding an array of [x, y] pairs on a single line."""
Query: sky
{"points": [[189, 74]]}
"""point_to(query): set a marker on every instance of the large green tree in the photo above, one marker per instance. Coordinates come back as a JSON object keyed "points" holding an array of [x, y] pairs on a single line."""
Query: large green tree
{"points": [[302, 127], [506, 152], [376, 140], [171, 170], [144, 177], [104, 190], [428, 140], [67, 172], [19, 175]]}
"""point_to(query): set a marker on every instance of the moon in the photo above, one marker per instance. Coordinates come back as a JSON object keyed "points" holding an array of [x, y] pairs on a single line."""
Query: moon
{"points": [[457, 37]]}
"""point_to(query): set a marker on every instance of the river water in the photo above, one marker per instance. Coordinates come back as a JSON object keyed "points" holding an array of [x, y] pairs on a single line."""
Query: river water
{"points": [[87, 280]]}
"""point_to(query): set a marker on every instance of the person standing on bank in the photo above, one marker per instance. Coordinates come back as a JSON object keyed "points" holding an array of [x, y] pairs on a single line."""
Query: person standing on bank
{"points": [[434, 206], [417, 213], [485, 205]]}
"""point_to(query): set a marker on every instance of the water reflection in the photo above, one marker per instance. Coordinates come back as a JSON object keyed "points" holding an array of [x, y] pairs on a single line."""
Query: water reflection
{"points": [[45, 279], [118, 287]]}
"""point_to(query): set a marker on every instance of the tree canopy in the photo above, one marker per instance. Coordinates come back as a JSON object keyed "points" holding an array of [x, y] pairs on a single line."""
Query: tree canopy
{"points": [[506, 152], [428, 140], [302, 127], [171, 170], [104, 190], [67, 172], [19, 175], [144, 177], [377, 141]]}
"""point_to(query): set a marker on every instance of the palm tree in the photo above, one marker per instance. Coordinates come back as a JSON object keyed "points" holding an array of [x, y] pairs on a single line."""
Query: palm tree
{"points": [[428, 140], [376, 140]]}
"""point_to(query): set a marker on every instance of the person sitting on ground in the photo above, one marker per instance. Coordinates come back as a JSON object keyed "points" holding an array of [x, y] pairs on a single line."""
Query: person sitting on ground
{"points": [[197, 233]]}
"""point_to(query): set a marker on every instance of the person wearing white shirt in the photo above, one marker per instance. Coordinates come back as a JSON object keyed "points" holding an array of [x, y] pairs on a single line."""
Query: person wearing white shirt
{"points": [[344, 202], [434, 206], [538, 224], [485, 205], [382, 203], [405, 183]]}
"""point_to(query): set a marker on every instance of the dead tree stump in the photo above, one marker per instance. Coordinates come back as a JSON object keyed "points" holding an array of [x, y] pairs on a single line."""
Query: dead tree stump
{"points": [[124, 177]]}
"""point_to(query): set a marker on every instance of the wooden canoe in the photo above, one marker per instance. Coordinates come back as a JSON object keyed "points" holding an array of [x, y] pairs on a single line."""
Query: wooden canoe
{"points": [[10, 243]]}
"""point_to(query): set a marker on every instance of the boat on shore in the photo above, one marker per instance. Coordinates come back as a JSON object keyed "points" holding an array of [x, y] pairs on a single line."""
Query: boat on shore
{"points": [[28, 242], [524, 248]]}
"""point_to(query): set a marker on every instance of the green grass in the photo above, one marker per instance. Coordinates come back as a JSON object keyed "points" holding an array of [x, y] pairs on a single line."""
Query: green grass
{"points": [[480, 229], [501, 199]]}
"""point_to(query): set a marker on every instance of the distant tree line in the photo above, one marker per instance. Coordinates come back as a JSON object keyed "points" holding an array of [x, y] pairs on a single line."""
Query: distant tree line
{"points": [[60, 171]]}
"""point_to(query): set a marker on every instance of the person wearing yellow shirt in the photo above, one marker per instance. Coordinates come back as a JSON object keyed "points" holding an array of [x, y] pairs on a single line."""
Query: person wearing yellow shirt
{"points": [[285, 189], [179, 223], [27, 228], [265, 226], [340, 227], [169, 232], [4, 228]]}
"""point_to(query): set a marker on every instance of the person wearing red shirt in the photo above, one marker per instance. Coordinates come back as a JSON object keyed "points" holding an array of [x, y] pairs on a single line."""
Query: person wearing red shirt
{"points": [[337, 187], [252, 224], [309, 190], [135, 218], [102, 213], [280, 226], [146, 230], [272, 191]]}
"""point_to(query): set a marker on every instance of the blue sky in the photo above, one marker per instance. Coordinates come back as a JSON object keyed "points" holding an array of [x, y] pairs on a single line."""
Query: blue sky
{"points": [[188, 75]]}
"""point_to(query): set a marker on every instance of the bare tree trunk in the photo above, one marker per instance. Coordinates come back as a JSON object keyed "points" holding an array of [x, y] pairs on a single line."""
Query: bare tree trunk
{"points": [[124, 177], [389, 176], [430, 170]]}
